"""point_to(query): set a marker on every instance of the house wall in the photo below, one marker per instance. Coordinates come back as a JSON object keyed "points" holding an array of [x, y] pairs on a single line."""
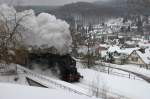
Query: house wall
{"points": [[118, 61], [148, 66]]}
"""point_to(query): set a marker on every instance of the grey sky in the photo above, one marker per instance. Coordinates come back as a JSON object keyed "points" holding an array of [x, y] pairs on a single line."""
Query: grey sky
{"points": [[42, 2]]}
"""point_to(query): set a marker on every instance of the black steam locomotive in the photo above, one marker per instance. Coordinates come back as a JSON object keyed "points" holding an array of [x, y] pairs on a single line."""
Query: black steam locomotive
{"points": [[65, 63]]}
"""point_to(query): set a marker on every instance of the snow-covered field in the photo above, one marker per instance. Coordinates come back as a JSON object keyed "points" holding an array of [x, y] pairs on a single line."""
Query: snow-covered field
{"points": [[116, 85], [19, 79], [93, 81], [117, 72], [133, 89], [9, 91], [133, 68]]}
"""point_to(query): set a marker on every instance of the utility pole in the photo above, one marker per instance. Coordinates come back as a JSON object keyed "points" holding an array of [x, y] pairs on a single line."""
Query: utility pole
{"points": [[88, 55], [88, 45]]}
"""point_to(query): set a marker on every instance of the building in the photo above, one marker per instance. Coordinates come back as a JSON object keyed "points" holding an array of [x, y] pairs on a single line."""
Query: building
{"points": [[7, 69], [146, 29], [120, 56], [140, 57]]}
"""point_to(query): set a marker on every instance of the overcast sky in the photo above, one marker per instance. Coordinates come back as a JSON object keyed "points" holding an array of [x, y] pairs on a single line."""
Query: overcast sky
{"points": [[42, 2]]}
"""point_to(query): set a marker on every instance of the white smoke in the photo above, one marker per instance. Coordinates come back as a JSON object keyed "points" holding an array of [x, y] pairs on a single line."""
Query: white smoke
{"points": [[43, 29]]}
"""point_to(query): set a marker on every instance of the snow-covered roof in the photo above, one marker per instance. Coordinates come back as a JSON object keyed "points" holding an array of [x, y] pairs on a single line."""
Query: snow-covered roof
{"points": [[142, 44], [117, 21], [126, 51], [113, 49], [104, 45], [145, 56], [103, 53], [130, 42]]}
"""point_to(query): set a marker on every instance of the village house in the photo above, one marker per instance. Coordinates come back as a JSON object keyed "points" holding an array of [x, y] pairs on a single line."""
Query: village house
{"points": [[140, 57], [119, 55], [146, 30]]}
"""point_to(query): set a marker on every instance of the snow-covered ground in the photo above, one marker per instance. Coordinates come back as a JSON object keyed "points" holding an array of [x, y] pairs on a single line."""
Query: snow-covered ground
{"points": [[23, 73], [132, 89], [53, 83], [116, 72], [9, 91], [19, 79], [16, 78], [113, 86], [133, 68]]}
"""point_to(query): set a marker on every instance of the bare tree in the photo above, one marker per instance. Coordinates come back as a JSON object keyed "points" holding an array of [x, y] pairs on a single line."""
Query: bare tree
{"points": [[90, 43], [10, 34]]}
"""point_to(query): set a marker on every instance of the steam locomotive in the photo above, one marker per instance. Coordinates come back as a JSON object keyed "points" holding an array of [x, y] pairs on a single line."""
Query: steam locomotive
{"points": [[65, 64]]}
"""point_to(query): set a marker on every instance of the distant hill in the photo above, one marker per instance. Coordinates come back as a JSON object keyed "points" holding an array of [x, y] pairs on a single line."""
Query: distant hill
{"points": [[101, 7], [82, 8], [95, 12], [37, 9], [127, 6], [110, 3]]}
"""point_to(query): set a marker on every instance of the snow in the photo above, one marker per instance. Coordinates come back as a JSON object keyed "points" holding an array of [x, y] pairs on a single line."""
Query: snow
{"points": [[10, 78], [126, 51], [103, 53], [47, 81], [119, 86], [104, 45], [133, 68], [53, 83], [10, 91], [130, 42], [118, 22], [142, 44], [145, 56], [133, 89], [113, 48], [116, 72]]}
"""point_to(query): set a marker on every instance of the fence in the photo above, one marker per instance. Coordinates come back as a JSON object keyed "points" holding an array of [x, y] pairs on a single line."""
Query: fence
{"points": [[103, 93], [110, 69]]}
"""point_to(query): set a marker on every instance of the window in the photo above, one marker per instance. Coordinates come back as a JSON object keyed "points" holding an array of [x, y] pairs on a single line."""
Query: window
{"points": [[135, 59]]}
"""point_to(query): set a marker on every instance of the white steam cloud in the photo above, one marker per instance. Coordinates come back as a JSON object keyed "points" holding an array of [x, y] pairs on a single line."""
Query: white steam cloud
{"points": [[41, 30]]}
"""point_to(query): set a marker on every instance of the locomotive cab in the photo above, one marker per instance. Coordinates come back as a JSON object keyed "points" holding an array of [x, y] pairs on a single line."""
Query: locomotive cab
{"points": [[69, 70]]}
